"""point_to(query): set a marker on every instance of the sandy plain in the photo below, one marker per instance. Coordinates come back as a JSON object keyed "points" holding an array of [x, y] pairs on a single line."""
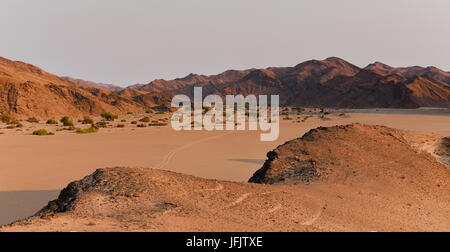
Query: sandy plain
{"points": [[34, 169]]}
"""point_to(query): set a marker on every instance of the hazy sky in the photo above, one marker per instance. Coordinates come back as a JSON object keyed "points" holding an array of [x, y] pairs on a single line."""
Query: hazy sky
{"points": [[136, 41]]}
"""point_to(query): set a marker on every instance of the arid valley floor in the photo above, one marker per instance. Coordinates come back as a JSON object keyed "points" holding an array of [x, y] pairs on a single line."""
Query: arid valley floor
{"points": [[219, 198]]}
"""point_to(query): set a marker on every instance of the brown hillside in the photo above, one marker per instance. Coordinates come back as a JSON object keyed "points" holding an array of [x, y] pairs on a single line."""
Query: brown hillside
{"points": [[28, 91], [90, 84]]}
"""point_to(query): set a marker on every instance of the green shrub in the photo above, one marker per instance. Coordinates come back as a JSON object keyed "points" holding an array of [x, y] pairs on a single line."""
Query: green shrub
{"points": [[32, 120], [66, 121], [51, 121], [149, 111], [87, 120], [109, 116], [87, 131], [160, 113], [129, 113], [43, 132], [145, 119], [6, 118]]}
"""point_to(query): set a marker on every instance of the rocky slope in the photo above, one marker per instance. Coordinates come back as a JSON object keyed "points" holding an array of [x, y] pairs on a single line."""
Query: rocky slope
{"points": [[91, 84], [332, 82], [343, 178], [28, 91]]}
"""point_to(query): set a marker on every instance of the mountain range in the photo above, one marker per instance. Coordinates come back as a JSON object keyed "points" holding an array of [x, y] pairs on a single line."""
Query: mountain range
{"points": [[28, 91], [332, 82]]}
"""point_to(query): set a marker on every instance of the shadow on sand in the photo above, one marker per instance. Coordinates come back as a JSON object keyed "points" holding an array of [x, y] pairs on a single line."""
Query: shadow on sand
{"points": [[16, 205]]}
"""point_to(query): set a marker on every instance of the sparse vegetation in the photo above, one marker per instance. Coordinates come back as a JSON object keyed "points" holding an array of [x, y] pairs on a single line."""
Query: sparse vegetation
{"points": [[87, 120], [6, 118], [129, 113], [157, 124], [149, 111], [43, 132], [121, 126], [101, 124], [51, 121], [133, 122], [160, 113], [32, 120], [141, 125], [66, 121], [87, 131], [145, 119], [109, 116]]}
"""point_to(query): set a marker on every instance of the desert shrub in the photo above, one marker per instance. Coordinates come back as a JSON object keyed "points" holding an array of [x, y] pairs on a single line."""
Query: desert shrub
{"points": [[157, 124], [129, 113], [149, 111], [32, 120], [109, 116], [11, 127], [19, 125], [141, 125], [43, 132], [134, 122], [6, 118], [123, 121], [66, 121], [51, 121], [101, 124], [87, 131], [145, 119], [121, 126], [87, 120], [299, 109], [160, 113], [14, 122]]}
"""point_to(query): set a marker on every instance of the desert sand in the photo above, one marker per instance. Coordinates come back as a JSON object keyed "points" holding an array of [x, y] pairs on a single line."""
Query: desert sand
{"points": [[49, 163], [383, 180]]}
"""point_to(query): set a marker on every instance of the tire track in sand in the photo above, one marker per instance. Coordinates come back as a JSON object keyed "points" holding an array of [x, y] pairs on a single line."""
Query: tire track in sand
{"points": [[171, 155]]}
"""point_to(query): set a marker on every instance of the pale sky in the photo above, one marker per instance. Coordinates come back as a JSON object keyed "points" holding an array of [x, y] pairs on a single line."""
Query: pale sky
{"points": [[135, 41]]}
